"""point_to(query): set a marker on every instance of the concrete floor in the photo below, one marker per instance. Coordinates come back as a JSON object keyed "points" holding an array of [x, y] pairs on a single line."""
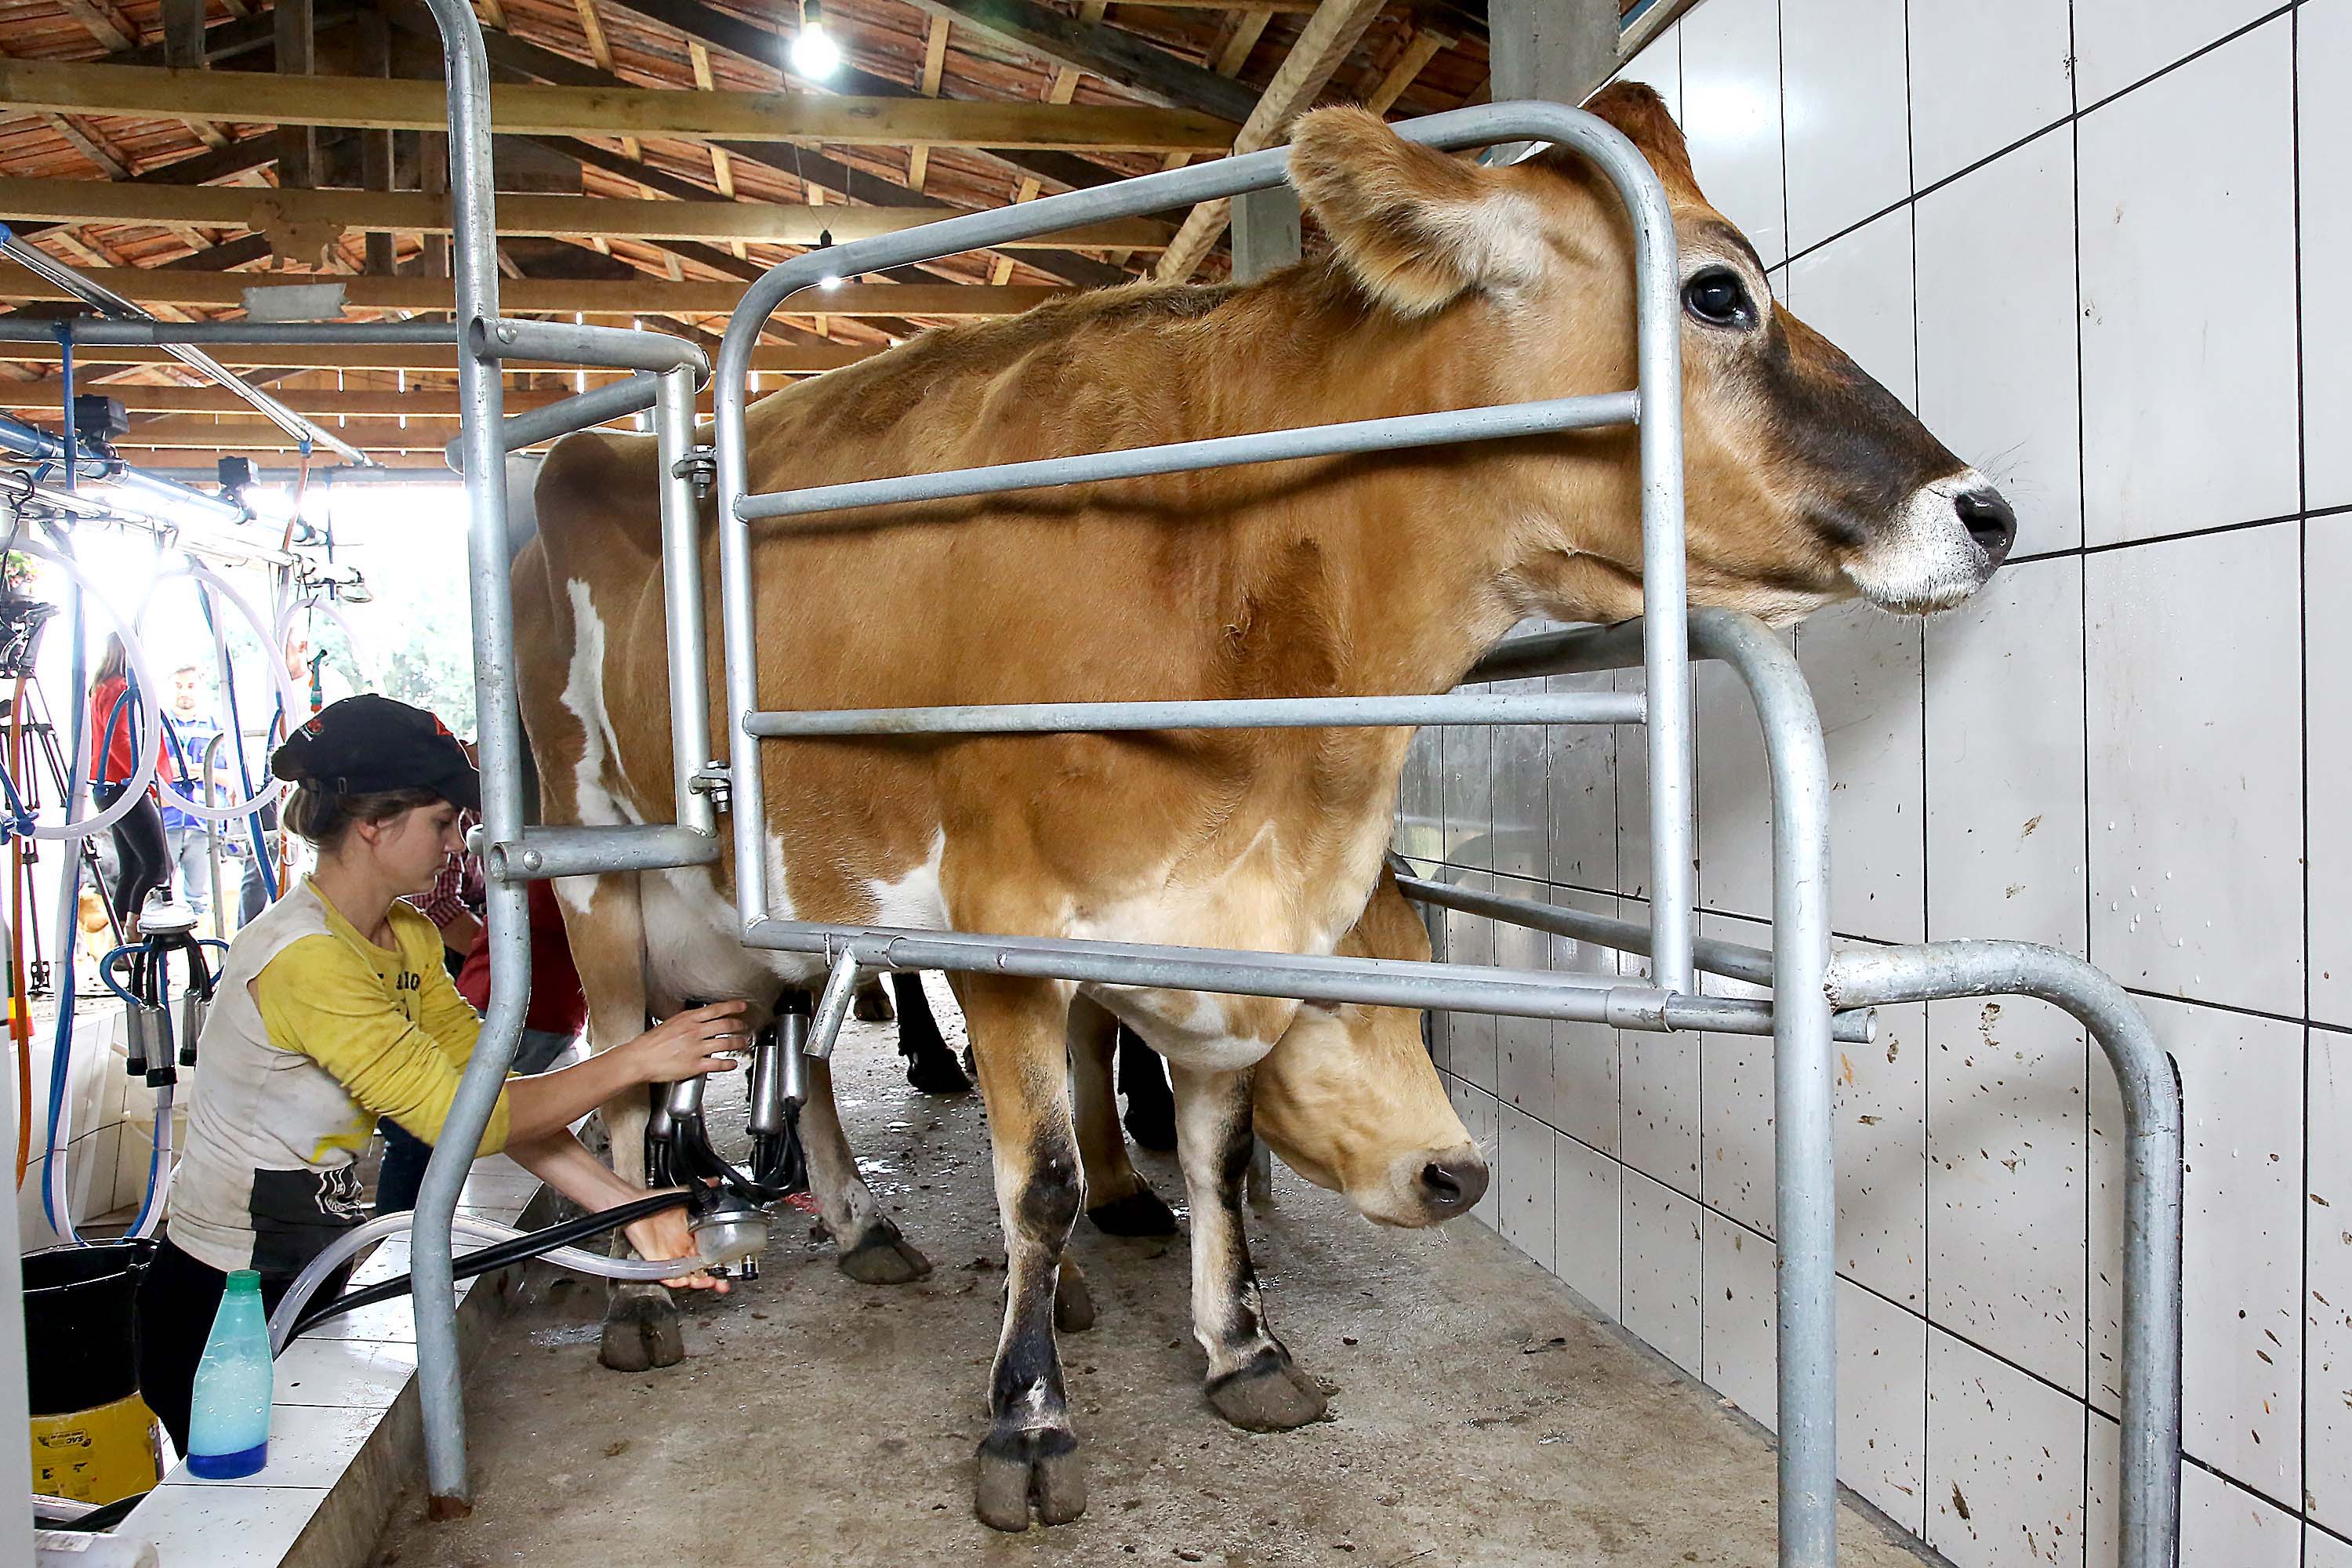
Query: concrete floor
{"points": [[1482, 1415]]}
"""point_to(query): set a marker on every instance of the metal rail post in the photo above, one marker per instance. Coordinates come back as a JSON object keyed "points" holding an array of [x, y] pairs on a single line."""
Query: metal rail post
{"points": [[481, 403], [1804, 1080]]}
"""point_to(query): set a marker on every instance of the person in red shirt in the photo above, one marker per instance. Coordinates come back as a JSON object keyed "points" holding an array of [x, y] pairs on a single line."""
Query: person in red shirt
{"points": [[142, 856], [558, 1011]]}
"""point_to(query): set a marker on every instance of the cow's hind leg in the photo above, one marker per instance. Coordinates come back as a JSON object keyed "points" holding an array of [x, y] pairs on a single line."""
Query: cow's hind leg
{"points": [[1251, 1379], [870, 1003], [870, 1250], [608, 940], [1120, 1201], [1150, 1111], [931, 1065], [1031, 1452]]}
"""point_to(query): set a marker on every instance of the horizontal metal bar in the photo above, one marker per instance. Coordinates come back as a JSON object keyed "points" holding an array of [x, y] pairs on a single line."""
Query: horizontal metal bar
{"points": [[1450, 987], [1185, 456], [147, 334], [584, 851], [581, 411], [1732, 960], [567, 342], [1236, 713]]}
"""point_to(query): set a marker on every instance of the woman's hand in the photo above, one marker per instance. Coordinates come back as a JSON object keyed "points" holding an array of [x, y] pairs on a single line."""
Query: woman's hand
{"points": [[666, 1234], [691, 1044]]}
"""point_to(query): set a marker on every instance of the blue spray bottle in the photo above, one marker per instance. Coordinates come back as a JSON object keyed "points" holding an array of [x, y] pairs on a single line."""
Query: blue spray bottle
{"points": [[229, 1417]]}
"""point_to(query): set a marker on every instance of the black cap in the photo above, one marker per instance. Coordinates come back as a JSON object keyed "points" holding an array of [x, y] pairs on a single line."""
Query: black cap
{"points": [[369, 744]]}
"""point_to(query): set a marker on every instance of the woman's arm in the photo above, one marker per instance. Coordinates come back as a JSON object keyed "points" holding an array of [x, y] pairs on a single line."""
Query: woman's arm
{"points": [[686, 1046], [563, 1162]]}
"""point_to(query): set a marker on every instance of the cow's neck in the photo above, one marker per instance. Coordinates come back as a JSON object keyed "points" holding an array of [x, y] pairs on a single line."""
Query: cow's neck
{"points": [[1401, 581]]}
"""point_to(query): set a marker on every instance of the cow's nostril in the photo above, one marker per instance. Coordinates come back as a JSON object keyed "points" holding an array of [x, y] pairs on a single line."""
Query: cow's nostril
{"points": [[1452, 1186], [1990, 521]]}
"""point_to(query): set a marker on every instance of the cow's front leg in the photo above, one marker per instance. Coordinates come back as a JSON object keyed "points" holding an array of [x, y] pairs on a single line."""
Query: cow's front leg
{"points": [[1251, 1379], [1031, 1451], [870, 1248], [641, 1323]]}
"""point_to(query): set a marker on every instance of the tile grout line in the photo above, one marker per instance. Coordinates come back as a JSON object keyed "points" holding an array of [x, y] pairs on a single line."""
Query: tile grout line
{"points": [[2303, 709], [2083, 726]]}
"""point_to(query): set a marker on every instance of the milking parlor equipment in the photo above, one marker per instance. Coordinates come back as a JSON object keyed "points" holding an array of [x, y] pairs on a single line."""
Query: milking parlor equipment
{"points": [[1815, 999]]}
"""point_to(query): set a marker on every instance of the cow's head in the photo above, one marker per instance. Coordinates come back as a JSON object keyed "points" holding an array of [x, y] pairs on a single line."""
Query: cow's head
{"points": [[1349, 1099], [1806, 482]]}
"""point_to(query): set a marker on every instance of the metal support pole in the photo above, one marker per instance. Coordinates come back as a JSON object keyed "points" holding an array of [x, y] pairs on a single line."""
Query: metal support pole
{"points": [[682, 602], [1803, 1079], [2153, 1149], [481, 401]]}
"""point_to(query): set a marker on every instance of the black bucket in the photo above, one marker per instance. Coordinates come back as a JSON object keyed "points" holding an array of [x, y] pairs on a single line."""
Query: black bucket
{"points": [[81, 1335]]}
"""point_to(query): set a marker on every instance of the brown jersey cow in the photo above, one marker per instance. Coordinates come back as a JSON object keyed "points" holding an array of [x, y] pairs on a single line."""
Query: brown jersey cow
{"points": [[1446, 285]]}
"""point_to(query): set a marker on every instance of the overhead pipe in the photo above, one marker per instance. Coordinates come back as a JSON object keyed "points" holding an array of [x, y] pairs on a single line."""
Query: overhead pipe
{"points": [[105, 301], [23, 440]]}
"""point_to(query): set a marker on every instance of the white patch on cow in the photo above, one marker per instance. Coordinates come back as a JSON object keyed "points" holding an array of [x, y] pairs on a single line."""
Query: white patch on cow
{"points": [[577, 891], [593, 802], [916, 900], [1926, 560], [1248, 904]]}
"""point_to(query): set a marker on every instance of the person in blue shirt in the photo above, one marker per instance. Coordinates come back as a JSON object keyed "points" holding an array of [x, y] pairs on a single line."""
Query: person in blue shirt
{"points": [[189, 838]]}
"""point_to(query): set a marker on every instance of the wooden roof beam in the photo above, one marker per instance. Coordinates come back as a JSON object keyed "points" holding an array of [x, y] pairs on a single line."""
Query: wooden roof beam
{"points": [[288, 357], [748, 41], [532, 108], [1110, 53], [612, 218], [514, 55], [1321, 47]]}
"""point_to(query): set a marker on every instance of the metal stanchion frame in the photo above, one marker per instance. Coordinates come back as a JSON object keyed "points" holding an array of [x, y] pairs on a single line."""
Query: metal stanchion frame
{"points": [[1805, 981]]}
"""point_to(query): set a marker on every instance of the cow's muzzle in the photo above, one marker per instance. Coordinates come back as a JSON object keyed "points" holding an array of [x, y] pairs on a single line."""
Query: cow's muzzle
{"points": [[1939, 548], [1450, 1183]]}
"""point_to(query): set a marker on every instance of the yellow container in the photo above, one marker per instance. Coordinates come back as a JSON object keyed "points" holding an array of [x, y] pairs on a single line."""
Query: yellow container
{"points": [[98, 1455]]}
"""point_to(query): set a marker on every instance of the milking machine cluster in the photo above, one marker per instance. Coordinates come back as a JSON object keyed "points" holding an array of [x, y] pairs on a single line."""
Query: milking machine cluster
{"points": [[728, 1205], [157, 1039]]}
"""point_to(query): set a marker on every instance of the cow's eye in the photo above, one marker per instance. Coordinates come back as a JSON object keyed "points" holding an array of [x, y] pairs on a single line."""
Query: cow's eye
{"points": [[1718, 298]]}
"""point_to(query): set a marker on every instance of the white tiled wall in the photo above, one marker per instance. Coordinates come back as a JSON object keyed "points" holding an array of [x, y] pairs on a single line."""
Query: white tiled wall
{"points": [[2070, 234]]}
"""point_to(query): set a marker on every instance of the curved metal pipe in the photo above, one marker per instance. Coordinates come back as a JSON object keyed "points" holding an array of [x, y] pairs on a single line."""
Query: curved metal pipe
{"points": [[2153, 1151]]}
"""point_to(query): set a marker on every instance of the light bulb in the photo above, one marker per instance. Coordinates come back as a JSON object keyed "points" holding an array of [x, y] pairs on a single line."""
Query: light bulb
{"points": [[814, 54], [830, 280]]}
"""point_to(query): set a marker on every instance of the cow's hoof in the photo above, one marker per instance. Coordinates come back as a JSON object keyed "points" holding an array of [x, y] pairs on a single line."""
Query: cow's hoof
{"points": [[641, 1332], [1269, 1395], [1141, 1212], [1074, 1301], [1151, 1122], [1045, 1467], [935, 1072], [884, 1258], [871, 1004]]}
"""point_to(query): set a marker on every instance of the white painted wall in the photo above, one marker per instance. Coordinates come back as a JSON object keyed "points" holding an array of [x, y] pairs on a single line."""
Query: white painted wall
{"points": [[2070, 236]]}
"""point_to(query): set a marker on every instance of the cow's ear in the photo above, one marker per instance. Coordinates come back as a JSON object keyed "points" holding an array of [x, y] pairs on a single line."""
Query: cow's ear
{"points": [[1635, 108], [1416, 227]]}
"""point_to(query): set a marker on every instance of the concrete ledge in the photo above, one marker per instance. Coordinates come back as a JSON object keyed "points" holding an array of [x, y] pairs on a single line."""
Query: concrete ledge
{"points": [[345, 1433]]}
